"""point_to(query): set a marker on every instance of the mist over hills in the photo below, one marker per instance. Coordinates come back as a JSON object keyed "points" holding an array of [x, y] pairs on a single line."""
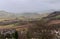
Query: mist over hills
{"points": [[29, 15], [4, 14]]}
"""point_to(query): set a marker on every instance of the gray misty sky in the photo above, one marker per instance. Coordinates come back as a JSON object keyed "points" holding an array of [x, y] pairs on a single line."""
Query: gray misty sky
{"points": [[29, 5]]}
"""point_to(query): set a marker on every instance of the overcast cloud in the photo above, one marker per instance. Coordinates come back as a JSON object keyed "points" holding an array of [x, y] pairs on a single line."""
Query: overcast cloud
{"points": [[29, 5]]}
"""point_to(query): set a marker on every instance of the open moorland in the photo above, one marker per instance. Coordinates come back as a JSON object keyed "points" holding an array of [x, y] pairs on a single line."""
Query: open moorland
{"points": [[30, 25]]}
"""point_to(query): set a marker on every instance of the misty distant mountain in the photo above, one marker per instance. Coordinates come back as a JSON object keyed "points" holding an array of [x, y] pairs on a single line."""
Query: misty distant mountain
{"points": [[8, 15], [30, 15], [4, 14]]}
